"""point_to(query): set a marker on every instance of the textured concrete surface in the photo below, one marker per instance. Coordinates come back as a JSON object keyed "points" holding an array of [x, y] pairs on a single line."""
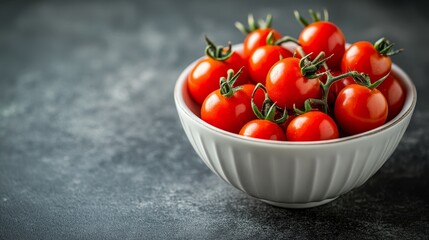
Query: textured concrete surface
{"points": [[91, 146]]}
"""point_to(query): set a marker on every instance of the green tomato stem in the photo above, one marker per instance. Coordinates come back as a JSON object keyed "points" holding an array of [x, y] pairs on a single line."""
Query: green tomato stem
{"points": [[384, 47], [314, 15], [227, 88], [217, 52], [253, 25], [331, 80], [309, 68], [378, 82], [271, 41], [269, 109], [300, 19]]}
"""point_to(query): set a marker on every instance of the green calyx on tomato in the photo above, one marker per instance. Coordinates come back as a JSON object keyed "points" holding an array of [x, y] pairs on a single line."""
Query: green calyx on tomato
{"points": [[372, 59], [314, 15], [269, 109], [227, 88], [217, 52], [364, 80], [384, 47], [254, 25], [307, 107], [309, 68]]}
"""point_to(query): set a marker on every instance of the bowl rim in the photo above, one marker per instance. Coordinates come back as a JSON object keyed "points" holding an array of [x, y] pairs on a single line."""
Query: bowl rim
{"points": [[405, 81]]}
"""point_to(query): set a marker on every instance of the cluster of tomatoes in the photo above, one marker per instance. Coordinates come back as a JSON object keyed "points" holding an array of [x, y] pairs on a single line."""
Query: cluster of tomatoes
{"points": [[319, 89]]}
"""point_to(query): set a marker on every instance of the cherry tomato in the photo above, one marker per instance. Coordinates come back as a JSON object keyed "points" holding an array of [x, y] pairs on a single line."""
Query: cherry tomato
{"points": [[204, 76], [324, 36], [256, 39], [230, 113], [359, 109], [394, 94], [363, 57], [263, 129], [263, 58], [287, 86], [312, 126], [256, 34]]}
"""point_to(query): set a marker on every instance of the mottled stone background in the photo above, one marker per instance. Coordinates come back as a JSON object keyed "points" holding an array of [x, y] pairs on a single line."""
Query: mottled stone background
{"points": [[91, 146]]}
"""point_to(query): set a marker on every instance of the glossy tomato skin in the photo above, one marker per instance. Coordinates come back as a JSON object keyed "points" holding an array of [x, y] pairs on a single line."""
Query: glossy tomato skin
{"points": [[312, 126], [256, 39], [394, 93], [229, 113], [363, 57], [263, 58], [205, 75], [324, 36], [263, 129], [359, 109], [287, 86]]}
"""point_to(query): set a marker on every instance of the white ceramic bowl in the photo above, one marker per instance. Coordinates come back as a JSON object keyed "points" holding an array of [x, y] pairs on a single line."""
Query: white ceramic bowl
{"points": [[293, 174]]}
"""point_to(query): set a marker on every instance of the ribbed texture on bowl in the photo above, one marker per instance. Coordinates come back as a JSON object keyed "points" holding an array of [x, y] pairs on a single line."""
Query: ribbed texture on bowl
{"points": [[293, 174]]}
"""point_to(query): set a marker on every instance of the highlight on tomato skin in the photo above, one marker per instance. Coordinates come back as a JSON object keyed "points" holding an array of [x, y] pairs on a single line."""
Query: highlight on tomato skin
{"points": [[312, 126], [229, 107], [372, 59], [204, 76], [263, 58], [256, 39], [323, 36], [363, 57], [288, 87], [359, 109], [256, 34], [263, 129]]}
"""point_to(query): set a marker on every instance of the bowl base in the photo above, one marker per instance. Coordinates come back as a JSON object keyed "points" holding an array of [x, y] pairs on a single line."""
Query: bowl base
{"points": [[299, 205]]}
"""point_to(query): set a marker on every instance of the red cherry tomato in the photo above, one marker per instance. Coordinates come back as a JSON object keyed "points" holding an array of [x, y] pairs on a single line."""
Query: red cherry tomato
{"points": [[323, 36], [394, 94], [256, 39], [204, 76], [363, 57], [229, 113], [287, 86], [263, 129], [256, 34], [312, 126], [359, 109], [263, 58]]}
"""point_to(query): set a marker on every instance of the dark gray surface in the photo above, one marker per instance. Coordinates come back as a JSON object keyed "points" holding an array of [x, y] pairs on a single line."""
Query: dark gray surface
{"points": [[91, 146]]}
